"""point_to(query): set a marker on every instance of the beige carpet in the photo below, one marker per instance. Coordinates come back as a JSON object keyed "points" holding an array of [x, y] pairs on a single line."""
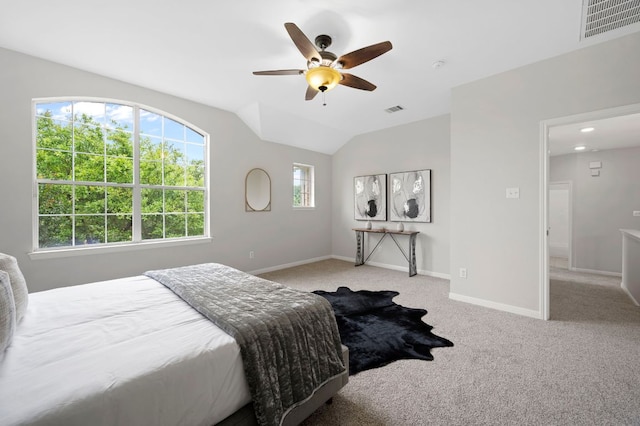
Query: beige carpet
{"points": [[580, 368]]}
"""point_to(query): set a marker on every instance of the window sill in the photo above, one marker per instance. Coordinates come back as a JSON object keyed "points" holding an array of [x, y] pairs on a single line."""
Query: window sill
{"points": [[303, 208], [102, 249]]}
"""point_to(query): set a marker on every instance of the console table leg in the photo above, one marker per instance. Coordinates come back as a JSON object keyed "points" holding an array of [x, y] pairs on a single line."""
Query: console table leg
{"points": [[359, 248], [413, 270]]}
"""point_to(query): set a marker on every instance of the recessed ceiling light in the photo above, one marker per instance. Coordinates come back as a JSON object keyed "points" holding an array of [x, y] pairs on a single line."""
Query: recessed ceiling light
{"points": [[587, 129], [580, 148]]}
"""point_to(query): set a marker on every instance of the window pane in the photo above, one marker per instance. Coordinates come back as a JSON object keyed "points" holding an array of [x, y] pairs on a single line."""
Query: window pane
{"points": [[119, 170], [56, 110], [54, 231], [90, 230], [54, 134], [152, 200], [175, 225], [151, 172], [174, 201], [150, 123], [173, 129], [195, 176], [55, 199], [89, 112], [120, 143], [89, 199], [119, 116], [195, 154], [193, 136], [88, 138], [150, 148], [174, 175], [55, 165], [174, 152], [119, 228], [119, 200], [89, 168], [195, 201], [195, 224], [152, 226]]}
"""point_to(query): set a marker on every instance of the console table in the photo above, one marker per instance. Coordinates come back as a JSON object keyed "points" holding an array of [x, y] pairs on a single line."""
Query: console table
{"points": [[411, 256]]}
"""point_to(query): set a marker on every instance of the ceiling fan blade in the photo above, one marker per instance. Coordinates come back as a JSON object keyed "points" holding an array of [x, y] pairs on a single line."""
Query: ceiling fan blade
{"points": [[363, 55], [303, 44], [356, 82], [311, 93], [279, 72]]}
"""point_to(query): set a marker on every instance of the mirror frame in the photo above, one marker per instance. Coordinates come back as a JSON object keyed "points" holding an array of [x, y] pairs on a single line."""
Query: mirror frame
{"points": [[247, 205]]}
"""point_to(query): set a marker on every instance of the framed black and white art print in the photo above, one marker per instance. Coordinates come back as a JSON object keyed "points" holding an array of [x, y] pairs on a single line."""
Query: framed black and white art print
{"points": [[410, 196], [370, 194]]}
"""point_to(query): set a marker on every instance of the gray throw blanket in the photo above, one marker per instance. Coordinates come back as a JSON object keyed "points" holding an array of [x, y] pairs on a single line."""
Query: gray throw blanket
{"points": [[288, 338]]}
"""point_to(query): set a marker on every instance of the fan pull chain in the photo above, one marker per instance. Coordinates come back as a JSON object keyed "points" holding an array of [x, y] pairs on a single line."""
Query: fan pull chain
{"points": [[324, 102]]}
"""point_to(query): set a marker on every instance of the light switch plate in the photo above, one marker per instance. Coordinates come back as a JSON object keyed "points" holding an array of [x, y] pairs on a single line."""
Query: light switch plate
{"points": [[513, 192]]}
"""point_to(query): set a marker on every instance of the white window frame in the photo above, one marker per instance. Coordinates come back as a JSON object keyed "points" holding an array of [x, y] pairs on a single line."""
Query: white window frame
{"points": [[311, 173], [137, 242]]}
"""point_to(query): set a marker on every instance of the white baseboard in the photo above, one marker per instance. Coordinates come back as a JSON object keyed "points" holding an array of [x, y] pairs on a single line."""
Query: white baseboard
{"points": [[597, 272], [397, 268], [288, 265], [498, 306]]}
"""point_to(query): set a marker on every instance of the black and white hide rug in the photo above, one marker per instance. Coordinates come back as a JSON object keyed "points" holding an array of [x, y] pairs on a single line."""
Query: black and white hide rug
{"points": [[378, 331]]}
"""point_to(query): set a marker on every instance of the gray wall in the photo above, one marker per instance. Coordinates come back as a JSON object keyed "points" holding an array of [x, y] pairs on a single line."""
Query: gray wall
{"points": [[280, 237], [495, 144], [420, 145], [601, 205]]}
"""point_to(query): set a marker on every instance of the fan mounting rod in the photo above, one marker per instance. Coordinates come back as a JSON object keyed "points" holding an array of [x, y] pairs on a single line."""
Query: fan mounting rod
{"points": [[323, 41]]}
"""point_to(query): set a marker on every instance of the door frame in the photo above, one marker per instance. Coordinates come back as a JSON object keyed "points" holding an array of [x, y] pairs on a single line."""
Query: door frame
{"points": [[545, 125]]}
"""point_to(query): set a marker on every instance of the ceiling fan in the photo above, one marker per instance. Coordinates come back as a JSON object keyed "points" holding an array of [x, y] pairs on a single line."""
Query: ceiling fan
{"points": [[323, 67]]}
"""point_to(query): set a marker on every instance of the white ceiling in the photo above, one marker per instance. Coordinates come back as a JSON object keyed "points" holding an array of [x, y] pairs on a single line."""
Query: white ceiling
{"points": [[206, 51], [609, 133]]}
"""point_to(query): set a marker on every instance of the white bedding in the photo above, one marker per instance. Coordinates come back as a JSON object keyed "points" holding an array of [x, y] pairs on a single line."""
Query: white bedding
{"points": [[120, 352]]}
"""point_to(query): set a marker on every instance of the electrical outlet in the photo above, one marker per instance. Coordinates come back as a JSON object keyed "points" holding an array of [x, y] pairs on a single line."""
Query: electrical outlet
{"points": [[252, 254], [463, 272], [513, 192]]}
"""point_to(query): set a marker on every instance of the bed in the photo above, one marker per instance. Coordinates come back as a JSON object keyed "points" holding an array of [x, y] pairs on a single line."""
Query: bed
{"points": [[133, 351]]}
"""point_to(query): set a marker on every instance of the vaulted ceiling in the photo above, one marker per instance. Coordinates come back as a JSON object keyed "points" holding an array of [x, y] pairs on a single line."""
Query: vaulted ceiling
{"points": [[206, 51]]}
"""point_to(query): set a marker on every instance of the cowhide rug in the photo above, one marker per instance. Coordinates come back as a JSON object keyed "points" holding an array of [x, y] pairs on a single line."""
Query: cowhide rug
{"points": [[378, 331]]}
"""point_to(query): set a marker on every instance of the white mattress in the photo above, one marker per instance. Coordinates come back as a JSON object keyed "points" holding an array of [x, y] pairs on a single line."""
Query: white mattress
{"points": [[121, 352]]}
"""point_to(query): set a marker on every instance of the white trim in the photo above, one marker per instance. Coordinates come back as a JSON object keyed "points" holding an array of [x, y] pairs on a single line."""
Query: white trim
{"points": [[569, 185], [287, 265], [495, 305], [544, 186], [102, 249], [543, 246], [397, 268], [597, 272]]}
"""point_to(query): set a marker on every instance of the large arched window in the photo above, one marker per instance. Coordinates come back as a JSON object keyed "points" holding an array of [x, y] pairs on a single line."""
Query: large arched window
{"points": [[114, 173]]}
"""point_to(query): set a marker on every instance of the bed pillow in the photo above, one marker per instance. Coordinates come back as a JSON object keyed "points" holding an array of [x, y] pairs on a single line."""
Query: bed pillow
{"points": [[7, 312], [9, 264]]}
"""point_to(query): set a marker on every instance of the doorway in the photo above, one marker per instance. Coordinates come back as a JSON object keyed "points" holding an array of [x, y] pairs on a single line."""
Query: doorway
{"points": [[546, 185]]}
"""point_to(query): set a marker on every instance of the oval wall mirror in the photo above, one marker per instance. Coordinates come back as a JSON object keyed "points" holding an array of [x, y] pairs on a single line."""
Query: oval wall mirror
{"points": [[257, 190]]}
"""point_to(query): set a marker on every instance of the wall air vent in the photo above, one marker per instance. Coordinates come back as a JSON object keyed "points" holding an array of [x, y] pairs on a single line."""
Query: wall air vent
{"points": [[602, 16], [398, 107]]}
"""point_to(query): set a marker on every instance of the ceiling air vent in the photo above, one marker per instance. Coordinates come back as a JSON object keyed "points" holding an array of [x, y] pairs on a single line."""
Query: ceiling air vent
{"points": [[398, 107], [602, 16]]}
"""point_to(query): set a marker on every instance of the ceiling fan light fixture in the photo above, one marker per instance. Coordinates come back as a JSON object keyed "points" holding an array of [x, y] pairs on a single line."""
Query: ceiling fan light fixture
{"points": [[323, 78]]}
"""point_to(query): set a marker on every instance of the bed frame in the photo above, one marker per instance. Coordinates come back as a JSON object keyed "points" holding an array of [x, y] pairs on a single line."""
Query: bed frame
{"points": [[246, 417]]}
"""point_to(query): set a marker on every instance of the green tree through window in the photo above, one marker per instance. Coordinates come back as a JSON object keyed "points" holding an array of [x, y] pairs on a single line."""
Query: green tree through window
{"points": [[99, 182]]}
